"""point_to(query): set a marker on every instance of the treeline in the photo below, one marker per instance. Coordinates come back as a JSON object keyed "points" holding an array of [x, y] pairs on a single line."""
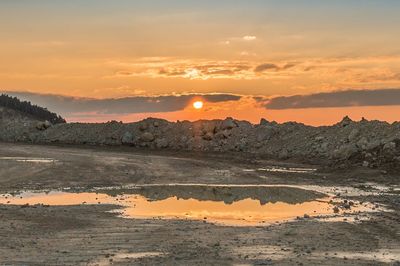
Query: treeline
{"points": [[38, 112]]}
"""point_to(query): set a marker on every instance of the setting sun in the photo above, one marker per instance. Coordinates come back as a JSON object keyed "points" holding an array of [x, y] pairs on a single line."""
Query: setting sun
{"points": [[198, 105]]}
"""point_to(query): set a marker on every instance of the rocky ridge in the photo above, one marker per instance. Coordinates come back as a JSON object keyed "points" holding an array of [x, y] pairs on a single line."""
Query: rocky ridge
{"points": [[365, 143]]}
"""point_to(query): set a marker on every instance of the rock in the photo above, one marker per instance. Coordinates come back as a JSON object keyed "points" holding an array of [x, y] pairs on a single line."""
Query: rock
{"points": [[283, 154], [336, 209], [264, 133], [346, 206], [40, 126], [345, 151], [362, 143], [353, 134], [162, 143], [264, 122], [209, 127], [324, 146], [208, 136], [143, 126], [390, 146], [43, 125], [147, 137], [228, 123], [223, 134], [127, 138], [345, 122], [365, 164], [372, 145], [47, 124]]}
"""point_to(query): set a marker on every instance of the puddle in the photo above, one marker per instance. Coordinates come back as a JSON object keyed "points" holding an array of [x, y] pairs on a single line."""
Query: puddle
{"points": [[29, 159], [263, 252], [282, 169], [125, 257], [383, 256], [226, 205]]}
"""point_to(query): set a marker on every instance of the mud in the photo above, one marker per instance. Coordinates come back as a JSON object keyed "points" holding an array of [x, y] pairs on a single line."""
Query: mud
{"points": [[96, 234]]}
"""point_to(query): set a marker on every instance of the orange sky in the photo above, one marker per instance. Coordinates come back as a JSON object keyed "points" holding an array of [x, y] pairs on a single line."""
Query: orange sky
{"points": [[115, 49]]}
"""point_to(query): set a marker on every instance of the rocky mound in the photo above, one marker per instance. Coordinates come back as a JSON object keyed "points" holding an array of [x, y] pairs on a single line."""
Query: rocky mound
{"points": [[16, 126], [365, 143]]}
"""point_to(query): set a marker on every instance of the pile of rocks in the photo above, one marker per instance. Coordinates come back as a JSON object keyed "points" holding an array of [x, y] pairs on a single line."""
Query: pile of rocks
{"points": [[365, 143]]}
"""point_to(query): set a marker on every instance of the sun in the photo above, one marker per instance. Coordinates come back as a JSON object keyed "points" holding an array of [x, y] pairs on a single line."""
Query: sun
{"points": [[198, 105]]}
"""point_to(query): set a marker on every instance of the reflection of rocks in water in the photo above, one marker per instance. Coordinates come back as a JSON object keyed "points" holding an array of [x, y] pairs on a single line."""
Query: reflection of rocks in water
{"points": [[227, 194]]}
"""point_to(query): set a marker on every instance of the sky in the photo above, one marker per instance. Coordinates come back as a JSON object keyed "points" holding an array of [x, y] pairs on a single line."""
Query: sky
{"points": [[98, 60]]}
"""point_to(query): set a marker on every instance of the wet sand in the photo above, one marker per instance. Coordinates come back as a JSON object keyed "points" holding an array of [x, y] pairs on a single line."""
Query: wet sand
{"points": [[94, 234]]}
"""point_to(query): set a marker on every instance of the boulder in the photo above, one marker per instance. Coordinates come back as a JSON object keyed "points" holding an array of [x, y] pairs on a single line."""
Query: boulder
{"points": [[208, 136], [362, 143], [353, 134], [223, 134], [264, 122], [143, 126], [264, 133], [389, 148], [147, 137], [209, 127], [162, 143], [127, 138], [345, 122], [345, 152], [43, 125], [283, 154], [228, 123]]}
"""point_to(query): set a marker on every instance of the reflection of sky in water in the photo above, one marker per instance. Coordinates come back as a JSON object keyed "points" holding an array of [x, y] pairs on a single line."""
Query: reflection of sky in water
{"points": [[239, 213], [29, 159], [282, 169]]}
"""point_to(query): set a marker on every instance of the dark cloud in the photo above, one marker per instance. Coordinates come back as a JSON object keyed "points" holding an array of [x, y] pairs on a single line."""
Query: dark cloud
{"points": [[264, 67], [68, 106], [379, 97], [288, 65], [124, 73], [273, 67]]}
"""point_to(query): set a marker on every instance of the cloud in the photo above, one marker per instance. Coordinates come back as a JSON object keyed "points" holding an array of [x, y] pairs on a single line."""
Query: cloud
{"points": [[274, 67], [346, 72], [249, 38], [264, 67], [348, 98], [201, 69], [378, 77], [71, 106], [206, 70]]}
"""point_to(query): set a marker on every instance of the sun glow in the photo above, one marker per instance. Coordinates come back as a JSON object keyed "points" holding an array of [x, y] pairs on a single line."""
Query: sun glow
{"points": [[198, 105]]}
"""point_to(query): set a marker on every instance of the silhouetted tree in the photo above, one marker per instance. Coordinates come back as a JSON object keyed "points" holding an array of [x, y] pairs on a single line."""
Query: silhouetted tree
{"points": [[34, 110]]}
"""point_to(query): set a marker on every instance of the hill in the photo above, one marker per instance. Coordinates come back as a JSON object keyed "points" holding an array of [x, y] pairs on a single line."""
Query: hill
{"points": [[37, 112]]}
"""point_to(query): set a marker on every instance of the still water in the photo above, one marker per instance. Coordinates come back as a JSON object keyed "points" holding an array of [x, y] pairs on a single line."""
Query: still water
{"points": [[226, 206]]}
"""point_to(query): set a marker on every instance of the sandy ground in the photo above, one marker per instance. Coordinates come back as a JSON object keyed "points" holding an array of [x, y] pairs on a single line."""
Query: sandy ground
{"points": [[89, 235]]}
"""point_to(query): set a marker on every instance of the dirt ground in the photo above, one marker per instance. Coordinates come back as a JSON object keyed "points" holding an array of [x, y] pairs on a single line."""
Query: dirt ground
{"points": [[89, 235]]}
